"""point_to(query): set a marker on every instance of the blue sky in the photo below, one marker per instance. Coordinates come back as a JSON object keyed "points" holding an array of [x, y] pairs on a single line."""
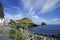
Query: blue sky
{"points": [[38, 10]]}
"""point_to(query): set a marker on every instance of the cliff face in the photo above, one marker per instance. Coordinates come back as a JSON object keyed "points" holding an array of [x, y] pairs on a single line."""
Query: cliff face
{"points": [[1, 11]]}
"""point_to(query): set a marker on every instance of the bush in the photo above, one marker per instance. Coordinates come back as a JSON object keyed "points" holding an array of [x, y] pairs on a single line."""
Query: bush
{"points": [[19, 34]]}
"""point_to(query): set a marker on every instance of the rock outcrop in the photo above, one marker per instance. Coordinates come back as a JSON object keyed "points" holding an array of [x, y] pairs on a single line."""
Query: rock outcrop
{"points": [[43, 23]]}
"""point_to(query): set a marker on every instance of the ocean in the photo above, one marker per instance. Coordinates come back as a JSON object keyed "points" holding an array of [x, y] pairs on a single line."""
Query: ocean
{"points": [[46, 29]]}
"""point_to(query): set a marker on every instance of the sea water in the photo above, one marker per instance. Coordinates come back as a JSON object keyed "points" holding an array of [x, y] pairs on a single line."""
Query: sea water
{"points": [[46, 29]]}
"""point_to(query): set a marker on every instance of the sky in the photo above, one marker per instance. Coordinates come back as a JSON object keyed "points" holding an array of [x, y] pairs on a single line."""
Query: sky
{"points": [[37, 10]]}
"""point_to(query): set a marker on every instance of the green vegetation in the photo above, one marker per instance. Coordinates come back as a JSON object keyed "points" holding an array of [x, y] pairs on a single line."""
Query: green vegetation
{"points": [[19, 29], [19, 32], [26, 21], [11, 22]]}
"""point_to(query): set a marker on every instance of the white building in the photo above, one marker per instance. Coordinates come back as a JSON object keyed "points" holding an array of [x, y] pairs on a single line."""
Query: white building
{"points": [[1, 21]]}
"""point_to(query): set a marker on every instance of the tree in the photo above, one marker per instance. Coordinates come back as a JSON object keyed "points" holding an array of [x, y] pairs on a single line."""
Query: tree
{"points": [[11, 22]]}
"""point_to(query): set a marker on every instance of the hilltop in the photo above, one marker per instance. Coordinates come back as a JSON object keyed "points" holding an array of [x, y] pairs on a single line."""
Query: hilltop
{"points": [[27, 21]]}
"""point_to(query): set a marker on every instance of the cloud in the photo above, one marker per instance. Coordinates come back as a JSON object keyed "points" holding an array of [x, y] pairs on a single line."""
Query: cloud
{"points": [[49, 6], [35, 16], [15, 17], [41, 5], [9, 16], [26, 3], [17, 13], [32, 5], [28, 6], [12, 10], [31, 12], [52, 21], [55, 21]]}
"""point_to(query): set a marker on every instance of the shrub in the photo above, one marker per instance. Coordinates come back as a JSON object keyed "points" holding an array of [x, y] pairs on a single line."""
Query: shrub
{"points": [[19, 34]]}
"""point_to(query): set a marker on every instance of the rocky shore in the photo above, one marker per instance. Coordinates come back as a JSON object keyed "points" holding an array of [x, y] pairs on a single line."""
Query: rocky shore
{"points": [[34, 36]]}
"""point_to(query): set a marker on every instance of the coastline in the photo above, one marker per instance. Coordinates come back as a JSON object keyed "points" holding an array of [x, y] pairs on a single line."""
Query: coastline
{"points": [[35, 36]]}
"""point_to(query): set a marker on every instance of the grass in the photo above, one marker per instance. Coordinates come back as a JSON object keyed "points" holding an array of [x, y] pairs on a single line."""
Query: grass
{"points": [[20, 33]]}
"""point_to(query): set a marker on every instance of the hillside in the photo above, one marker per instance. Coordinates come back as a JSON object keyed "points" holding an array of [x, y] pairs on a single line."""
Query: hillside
{"points": [[27, 21]]}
